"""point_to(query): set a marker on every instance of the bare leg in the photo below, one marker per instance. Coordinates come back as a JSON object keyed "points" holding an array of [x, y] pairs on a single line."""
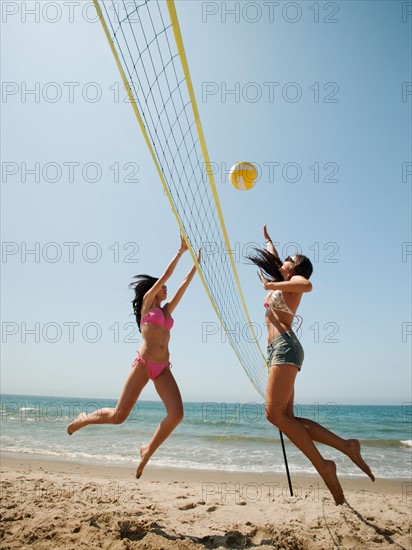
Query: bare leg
{"points": [[350, 447], [135, 382], [170, 395], [278, 411]]}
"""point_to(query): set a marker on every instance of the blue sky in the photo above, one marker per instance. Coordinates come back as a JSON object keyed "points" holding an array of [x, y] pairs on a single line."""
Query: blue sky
{"points": [[320, 94]]}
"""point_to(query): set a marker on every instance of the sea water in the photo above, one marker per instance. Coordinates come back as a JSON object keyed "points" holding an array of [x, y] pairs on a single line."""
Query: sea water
{"points": [[232, 437]]}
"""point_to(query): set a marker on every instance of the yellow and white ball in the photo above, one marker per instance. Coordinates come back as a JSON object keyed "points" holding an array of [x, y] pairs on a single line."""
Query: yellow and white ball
{"points": [[243, 176]]}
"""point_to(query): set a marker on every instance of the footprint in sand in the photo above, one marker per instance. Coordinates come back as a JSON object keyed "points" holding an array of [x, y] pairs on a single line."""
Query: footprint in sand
{"points": [[188, 506], [182, 496], [211, 509]]}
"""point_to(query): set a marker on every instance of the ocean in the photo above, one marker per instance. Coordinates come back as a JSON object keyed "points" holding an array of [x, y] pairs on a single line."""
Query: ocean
{"points": [[233, 437]]}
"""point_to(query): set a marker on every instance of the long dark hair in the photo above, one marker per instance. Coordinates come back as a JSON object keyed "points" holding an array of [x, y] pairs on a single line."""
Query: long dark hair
{"points": [[143, 284], [268, 263], [302, 266]]}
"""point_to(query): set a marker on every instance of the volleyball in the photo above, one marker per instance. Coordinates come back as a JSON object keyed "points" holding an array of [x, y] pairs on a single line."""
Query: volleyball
{"points": [[243, 176]]}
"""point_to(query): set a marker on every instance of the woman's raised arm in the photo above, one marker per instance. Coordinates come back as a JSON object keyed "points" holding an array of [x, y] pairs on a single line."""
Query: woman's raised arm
{"points": [[150, 294], [182, 288], [268, 242]]}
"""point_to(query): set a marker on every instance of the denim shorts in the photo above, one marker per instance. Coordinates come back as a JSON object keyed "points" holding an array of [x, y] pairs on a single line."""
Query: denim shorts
{"points": [[285, 349]]}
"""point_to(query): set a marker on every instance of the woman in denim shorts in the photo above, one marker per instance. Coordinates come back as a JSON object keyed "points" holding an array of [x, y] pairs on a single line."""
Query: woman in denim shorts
{"points": [[286, 282]]}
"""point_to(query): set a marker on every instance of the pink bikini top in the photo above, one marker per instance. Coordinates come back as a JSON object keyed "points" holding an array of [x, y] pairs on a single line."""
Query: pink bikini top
{"points": [[157, 317]]}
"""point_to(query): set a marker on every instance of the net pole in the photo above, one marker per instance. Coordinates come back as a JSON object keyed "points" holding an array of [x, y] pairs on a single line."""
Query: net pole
{"points": [[286, 463]]}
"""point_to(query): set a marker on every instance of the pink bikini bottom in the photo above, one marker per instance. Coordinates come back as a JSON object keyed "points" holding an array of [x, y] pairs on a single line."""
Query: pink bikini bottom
{"points": [[155, 369]]}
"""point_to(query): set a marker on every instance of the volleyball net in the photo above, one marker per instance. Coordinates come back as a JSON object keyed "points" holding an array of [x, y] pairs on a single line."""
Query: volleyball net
{"points": [[146, 42]]}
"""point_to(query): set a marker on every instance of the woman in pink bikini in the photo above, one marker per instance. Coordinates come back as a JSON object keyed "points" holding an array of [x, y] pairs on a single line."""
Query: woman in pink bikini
{"points": [[287, 281], [152, 361]]}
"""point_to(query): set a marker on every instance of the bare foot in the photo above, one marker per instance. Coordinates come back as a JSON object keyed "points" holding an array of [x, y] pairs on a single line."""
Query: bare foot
{"points": [[143, 461], [330, 478], [77, 423], [354, 453]]}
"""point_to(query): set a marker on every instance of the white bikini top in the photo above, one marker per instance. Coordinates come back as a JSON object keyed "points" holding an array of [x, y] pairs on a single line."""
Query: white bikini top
{"points": [[277, 302]]}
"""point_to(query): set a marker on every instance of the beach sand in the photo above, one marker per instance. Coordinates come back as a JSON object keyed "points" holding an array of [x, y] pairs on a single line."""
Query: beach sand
{"points": [[58, 504]]}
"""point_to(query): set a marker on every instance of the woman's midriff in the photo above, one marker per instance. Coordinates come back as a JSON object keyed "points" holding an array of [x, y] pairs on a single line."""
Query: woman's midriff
{"points": [[155, 345], [276, 324]]}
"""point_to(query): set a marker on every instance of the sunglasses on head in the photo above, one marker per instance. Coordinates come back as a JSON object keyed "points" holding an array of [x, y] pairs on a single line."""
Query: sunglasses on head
{"points": [[289, 259]]}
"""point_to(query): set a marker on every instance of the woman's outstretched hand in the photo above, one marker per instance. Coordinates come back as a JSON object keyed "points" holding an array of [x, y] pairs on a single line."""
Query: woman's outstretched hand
{"points": [[265, 233], [265, 281], [183, 245]]}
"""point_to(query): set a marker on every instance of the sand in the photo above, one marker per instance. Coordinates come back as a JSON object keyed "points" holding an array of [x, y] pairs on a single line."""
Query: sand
{"points": [[58, 504]]}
